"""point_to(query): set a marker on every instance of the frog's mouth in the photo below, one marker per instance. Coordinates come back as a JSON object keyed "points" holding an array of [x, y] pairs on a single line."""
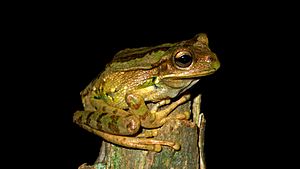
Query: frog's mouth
{"points": [[183, 84], [179, 85], [195, 75], [189, 86]]}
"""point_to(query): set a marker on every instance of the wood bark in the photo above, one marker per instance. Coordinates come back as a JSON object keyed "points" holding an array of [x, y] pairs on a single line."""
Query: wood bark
{"points": [[189, 133]]}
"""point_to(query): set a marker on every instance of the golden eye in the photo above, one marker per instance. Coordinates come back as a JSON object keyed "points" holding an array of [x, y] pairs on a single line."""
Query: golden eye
{"points": [[183, 59]]}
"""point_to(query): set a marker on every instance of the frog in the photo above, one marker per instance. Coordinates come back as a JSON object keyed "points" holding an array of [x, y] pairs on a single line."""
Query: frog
{"points": [[116, 102]]}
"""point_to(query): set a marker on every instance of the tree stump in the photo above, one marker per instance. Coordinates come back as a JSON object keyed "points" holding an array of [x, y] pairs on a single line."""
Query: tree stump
{"points": [[189, 133]]}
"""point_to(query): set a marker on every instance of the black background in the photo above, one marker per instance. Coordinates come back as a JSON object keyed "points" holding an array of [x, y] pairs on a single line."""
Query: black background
{"points": [[57, 51]]}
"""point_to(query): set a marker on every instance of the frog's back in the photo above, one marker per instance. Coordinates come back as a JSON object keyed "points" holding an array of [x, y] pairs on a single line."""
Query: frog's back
{"points": [[141, 58]]}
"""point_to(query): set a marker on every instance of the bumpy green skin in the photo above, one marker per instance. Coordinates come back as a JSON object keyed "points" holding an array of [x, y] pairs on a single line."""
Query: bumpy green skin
{"points": [[114, 103]]}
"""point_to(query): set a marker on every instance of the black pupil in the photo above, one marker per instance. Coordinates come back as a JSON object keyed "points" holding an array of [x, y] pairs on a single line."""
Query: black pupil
{"points": [[184, 60]]}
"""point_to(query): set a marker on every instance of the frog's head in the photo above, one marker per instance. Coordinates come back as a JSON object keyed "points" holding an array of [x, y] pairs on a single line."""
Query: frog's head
{"points": [[187, 61], [166, 70]]}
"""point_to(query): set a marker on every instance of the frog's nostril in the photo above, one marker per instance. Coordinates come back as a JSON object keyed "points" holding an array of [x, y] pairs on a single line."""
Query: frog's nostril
{"points": [[208, 59]]}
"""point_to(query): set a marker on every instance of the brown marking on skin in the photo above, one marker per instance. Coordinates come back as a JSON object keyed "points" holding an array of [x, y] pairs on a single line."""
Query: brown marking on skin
{"points": [[98, 120], [113, 128], [115, 118], [88, 117], [104, 108], [163, 67], [134, 105], [114, 123], [99, 126], [100, 117]]}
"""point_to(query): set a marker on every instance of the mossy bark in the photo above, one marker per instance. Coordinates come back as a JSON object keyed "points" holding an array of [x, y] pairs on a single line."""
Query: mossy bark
{"points": [[189, 133]]}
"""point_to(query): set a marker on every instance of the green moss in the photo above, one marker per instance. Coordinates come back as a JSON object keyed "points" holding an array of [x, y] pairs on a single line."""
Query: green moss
{"points": [[100, 166], [116, 157]]}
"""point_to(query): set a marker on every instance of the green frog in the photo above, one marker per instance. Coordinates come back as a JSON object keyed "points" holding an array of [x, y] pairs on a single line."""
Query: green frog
{"points": [[116, 102]]}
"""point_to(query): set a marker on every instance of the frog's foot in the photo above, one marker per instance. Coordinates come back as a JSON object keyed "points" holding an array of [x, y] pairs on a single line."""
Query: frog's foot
{"points": [[163, 113], [159, 104], [161, 116], [183, 116], [148, 133], [133, 142]]}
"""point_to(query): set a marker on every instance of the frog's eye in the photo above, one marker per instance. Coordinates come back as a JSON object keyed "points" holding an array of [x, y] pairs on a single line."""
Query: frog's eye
{"points": [[183, 59]]}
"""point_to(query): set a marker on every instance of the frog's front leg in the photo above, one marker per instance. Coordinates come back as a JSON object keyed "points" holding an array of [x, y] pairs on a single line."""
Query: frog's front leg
{"points": [[161, 115], [154, 118]]}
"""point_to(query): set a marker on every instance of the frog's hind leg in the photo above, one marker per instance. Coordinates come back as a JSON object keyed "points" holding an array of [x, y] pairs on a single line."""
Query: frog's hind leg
{"points": [[117, 122], [133, 142]]}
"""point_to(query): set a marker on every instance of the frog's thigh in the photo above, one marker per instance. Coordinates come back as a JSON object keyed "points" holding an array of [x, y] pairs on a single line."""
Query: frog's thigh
{"points": [[119, 123], [133, 142]]}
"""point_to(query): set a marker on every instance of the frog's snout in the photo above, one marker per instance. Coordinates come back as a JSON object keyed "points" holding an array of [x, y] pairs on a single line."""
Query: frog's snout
{"points": [[213, 59]]}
